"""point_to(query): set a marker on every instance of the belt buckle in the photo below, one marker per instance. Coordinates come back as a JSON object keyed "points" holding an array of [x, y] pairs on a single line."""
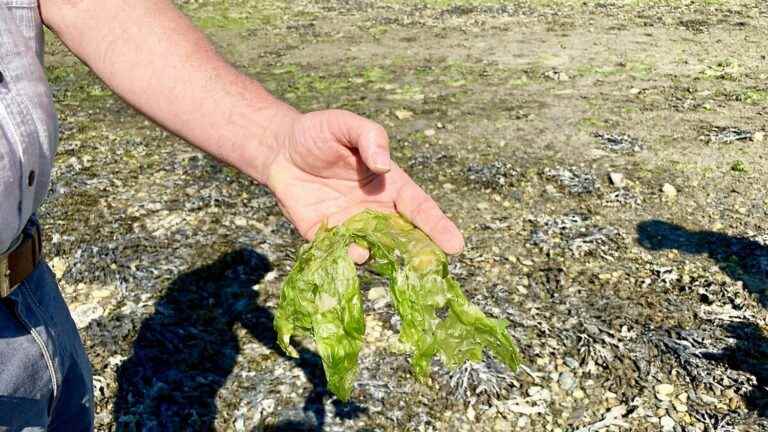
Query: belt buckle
{"points": [[5, 277]]}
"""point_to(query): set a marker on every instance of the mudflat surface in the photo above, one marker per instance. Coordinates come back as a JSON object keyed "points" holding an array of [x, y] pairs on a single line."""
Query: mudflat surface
{"points": [[606, 162]]}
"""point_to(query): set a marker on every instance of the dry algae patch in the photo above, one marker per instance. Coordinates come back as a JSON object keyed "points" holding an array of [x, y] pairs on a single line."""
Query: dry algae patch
{"points": [[321, 298]]}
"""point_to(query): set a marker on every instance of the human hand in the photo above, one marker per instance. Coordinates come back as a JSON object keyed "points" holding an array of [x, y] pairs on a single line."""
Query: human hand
{"points": [[333, 164]]}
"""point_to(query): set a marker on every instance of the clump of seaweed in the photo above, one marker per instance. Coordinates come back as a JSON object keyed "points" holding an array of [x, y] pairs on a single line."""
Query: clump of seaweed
{"points": [[321, 297]]}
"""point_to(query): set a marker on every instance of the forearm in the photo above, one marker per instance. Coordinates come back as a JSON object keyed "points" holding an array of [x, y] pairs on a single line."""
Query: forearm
{"points": [[152, 56]]}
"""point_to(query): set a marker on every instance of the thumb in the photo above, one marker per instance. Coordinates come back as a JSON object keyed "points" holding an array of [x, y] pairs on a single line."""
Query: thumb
{"points": [[368, 137]]}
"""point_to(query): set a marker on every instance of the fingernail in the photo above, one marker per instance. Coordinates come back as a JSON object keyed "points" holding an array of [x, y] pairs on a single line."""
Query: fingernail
{"points": [[381, 161]]}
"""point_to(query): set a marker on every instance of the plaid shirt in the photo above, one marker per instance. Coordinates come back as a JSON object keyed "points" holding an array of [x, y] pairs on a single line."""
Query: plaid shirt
{"points": [[28, 126]]}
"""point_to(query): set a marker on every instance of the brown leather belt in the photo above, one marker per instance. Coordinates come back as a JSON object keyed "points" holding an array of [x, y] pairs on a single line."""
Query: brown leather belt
{"points": [[21, 262]]}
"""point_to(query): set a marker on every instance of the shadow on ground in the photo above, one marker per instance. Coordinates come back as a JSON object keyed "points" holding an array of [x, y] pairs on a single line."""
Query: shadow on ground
{"points": [[742, 259], [186, 350]]}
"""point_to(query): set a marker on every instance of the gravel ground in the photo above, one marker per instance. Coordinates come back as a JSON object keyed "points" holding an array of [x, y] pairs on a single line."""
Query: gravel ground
{"points": [[602, 158]]}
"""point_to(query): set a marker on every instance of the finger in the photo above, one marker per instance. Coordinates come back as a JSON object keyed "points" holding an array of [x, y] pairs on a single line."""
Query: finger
{"points": [[368, 137], [420, 209], [358, 253]]}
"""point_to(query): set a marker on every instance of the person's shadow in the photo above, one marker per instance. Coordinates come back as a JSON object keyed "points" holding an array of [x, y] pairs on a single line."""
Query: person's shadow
{"points": [[742, 259], [185, 351]]}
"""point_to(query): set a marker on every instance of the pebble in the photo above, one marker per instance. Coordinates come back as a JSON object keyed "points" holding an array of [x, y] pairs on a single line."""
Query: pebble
{"points": [[376, 293], [403, 114], [680, 407], [101, 293], [758, 136], [617, 179], [664, 391], [429, 132], [471, 414], [85, 313], [59, 266], [667, 424], [571, 362], [566, 381], [240, 221], [669, 190], [504, 425], [522, 423]]}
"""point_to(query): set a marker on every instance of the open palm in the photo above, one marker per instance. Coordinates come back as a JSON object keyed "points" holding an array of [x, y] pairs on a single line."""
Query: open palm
{"points": [[334, 164]]}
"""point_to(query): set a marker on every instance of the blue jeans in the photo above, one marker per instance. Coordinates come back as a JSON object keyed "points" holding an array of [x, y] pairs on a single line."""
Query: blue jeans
{"points": [[45, 377]]}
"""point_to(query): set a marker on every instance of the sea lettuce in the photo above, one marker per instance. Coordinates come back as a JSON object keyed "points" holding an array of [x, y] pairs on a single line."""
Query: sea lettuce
{"points": [[321, 298]]}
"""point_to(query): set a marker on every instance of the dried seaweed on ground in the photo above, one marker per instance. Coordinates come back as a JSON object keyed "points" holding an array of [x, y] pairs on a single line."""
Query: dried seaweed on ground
{"points": [[728, 134], [577, 181], [496, 175], [321, 298], [576, 234], [619, 143]]}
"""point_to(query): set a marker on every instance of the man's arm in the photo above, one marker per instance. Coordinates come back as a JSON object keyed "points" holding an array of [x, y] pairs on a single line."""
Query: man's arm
{"points": [[152, 56], [323, 167]]}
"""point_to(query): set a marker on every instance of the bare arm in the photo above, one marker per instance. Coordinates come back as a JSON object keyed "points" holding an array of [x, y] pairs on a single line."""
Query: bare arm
{"points": [[323, 167], [152, 56]]}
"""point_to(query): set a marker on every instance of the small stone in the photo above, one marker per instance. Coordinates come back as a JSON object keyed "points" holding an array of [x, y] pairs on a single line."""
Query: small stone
{"points": [[448, 186], [734, 403], [667, 424], [85, 313], [240, 221], [566, 381], [483, 206], [59, 266], [557, 75], [101, 293], [471, 414], [634, 91], [579, 394], [522, 423], [669, 190], [571, 362], [617, 179], [664, 389], [429, 132], [403, 114], [679, 407], [758, 136], [504, 425], [377, 293]]}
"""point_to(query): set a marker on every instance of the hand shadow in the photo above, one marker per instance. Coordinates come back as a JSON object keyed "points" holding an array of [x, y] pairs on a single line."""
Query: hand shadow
{"points": [[185, 351], [742, 259]]}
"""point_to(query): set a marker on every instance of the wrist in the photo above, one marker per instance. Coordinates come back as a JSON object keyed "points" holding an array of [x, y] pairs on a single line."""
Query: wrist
{"points": [[274, 127]]}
